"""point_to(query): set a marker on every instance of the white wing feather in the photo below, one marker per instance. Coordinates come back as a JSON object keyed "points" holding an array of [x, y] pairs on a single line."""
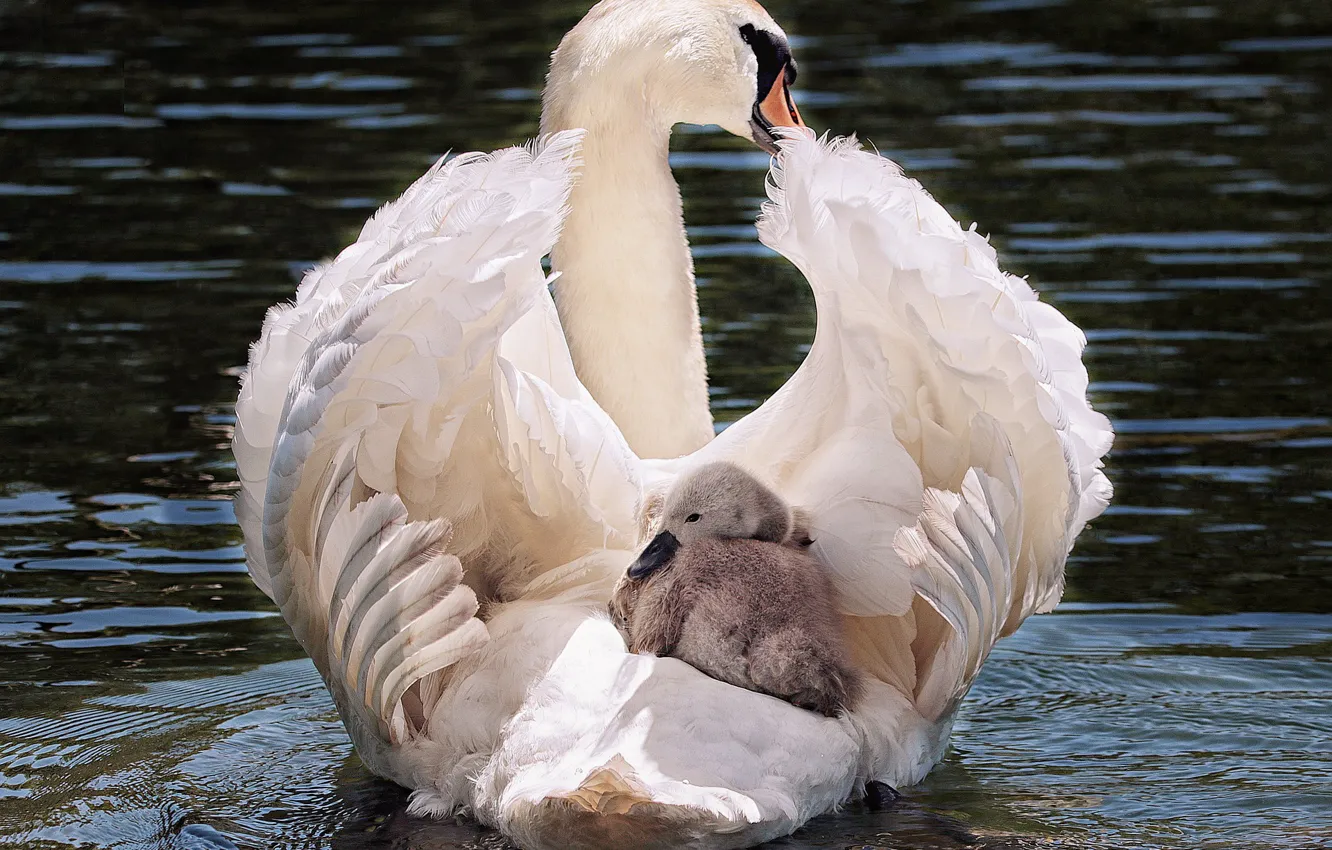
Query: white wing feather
{"points": [[938, 432], [412, 435]]}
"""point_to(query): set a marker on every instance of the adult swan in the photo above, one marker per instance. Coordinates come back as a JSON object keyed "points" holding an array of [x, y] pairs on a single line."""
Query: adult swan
{"points": [[443, 470]]}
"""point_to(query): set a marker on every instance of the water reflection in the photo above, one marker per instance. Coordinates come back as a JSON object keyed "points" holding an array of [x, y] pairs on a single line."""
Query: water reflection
{"points": [[1160, 170]]}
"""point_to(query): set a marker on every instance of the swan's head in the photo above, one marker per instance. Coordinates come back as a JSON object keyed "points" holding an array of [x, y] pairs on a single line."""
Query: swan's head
{"points": [[667, 62], [715, 501]]}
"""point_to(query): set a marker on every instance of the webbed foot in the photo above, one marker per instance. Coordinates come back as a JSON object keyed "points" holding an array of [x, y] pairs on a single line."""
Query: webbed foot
{"points": [[880, 795]]}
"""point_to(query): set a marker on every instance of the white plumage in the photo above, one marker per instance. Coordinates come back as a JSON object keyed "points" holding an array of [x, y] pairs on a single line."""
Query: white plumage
{"points": [[440, 507]]}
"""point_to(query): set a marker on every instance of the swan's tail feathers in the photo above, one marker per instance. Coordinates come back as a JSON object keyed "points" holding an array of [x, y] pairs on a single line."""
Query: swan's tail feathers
{"points": [[612, 789], [619, 764], [369, 456], [910, 302]]}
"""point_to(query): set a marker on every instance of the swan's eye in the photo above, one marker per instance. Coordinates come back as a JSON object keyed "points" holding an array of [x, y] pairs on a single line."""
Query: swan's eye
{"points": [[693, 518]]}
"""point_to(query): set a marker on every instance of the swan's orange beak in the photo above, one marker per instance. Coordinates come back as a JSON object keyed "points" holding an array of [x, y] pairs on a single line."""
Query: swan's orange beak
{"points": [[775, 108]]}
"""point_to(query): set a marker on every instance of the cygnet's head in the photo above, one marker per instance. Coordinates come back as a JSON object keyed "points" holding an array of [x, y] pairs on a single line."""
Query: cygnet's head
{"points": [[715, 501], [659, 63]]}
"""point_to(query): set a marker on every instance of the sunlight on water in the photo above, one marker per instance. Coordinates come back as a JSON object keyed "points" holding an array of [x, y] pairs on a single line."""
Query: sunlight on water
{"points": [[1160, 171]]}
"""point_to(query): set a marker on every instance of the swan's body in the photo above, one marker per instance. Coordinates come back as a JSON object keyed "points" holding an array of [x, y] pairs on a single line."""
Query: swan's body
{"points": [[441, 508]]}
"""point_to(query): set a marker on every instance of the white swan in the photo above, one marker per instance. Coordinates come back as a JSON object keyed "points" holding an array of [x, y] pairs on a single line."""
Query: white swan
{"points": [[440, 506]]}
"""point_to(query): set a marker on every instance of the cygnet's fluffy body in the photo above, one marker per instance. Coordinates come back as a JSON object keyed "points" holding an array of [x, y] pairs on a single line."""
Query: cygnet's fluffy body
{"points": [[726, 587]]}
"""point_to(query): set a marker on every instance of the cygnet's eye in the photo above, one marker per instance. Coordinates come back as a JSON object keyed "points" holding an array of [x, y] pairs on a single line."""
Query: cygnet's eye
{"points": [[693, 518]]}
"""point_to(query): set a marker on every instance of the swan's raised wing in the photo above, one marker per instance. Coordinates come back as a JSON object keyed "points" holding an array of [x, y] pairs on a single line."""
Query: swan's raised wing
{"points": [[938, 431], [409, 422]]}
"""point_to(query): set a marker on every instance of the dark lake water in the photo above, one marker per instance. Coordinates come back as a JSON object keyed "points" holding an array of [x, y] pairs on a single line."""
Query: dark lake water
{"points": [[1162, 170]]}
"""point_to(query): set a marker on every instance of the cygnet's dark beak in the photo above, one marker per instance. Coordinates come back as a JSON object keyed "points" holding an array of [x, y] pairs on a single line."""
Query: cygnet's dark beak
{"points": [[657, 555]]}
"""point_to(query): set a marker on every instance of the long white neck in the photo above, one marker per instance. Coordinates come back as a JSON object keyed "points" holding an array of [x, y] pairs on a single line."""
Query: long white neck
{"points": [[626, 294]]}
